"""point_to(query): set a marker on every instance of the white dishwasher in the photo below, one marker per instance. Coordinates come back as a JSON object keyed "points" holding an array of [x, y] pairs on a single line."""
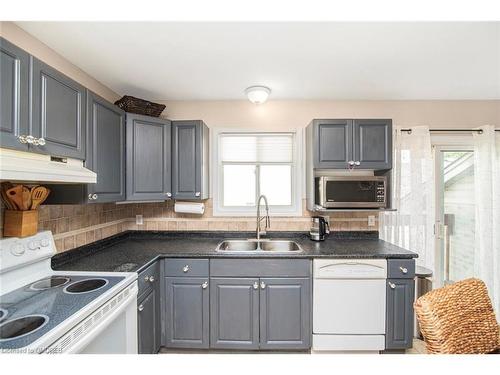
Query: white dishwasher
{"points": [[349, 297]]}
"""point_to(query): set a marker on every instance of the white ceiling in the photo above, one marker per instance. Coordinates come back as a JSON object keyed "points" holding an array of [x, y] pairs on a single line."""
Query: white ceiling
{"points": [[215, 61]]}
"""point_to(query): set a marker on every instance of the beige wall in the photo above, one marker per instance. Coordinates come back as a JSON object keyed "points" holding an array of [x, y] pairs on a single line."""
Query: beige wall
{"points": [[35, 47], [291, 114]]}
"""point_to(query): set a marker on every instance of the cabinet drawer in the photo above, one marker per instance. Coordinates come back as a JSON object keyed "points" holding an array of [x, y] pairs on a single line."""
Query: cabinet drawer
{"points": [[186, 267], [400, 268], [148, 278], [260, 267]]}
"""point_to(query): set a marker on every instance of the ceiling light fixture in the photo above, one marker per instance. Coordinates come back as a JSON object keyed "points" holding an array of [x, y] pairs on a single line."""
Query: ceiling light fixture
{"points": [[257, 94]]}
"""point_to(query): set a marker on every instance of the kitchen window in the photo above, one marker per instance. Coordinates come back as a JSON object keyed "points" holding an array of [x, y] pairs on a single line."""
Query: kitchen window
{"points": [[249, 164]]}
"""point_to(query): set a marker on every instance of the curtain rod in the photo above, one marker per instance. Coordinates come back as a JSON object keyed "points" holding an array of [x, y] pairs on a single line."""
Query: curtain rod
{"points": [[480, 131]]}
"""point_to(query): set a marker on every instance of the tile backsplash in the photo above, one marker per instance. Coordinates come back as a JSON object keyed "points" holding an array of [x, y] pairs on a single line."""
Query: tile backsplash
{"points": [[77, 225]]}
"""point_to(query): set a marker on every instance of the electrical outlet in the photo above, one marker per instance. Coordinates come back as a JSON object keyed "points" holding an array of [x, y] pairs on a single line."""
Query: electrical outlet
{"points": [[139, 220], [371, 220]]}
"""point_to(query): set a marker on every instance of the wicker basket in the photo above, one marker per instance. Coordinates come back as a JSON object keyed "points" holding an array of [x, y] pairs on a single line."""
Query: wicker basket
{"points": [[140, 106], [458, 318]]}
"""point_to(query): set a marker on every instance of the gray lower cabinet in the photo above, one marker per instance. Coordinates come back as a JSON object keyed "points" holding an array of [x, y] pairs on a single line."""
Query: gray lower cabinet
{"points": [[399, 310], [186, 312], [190, 160], [14, 95], [58, 112], [105, 149], [234, 313], [148, 160], [285, 309], [148, 323]]}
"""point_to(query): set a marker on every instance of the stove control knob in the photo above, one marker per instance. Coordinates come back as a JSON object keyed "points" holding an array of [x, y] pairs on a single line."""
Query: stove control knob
{"points": [[34, 245], [17, 249], [45, 242]]}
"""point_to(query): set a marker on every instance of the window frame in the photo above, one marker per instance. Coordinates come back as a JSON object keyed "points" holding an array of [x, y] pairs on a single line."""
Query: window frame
{"points": [[217, 175]]}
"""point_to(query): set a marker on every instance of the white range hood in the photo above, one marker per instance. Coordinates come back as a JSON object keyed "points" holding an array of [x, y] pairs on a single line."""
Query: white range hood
{"points": [[31, 167]]}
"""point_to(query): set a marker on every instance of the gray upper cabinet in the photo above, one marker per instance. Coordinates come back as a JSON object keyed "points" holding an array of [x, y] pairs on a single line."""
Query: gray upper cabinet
{"points": [[14, 95], [186, 312], [234, 313], [58, 112], [189, 160], [340, 144], [373, 143], [148, 160], [333, 143], [285, 320], [399, 318], [105, 149]]}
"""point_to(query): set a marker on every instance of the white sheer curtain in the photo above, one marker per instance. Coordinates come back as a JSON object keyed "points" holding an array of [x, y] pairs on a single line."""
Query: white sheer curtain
{"points": [[487, 193], [412, 225]]}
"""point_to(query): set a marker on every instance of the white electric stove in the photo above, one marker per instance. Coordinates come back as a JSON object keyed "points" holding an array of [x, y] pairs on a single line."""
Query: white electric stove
{"points": [[44, 311]]}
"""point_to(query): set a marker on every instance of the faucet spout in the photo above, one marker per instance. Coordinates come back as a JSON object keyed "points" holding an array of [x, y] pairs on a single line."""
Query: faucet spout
{"points": [[259, 219]]}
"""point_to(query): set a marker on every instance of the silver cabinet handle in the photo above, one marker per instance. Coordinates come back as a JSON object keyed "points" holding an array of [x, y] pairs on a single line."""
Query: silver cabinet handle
{"points": [[22, 139], [90, 197], [358, 163], [392, 285], [141, 307], [185, 268], [262, 285], [169, 195], [256, 285], [197, 194], [151, 279], [204, 285], [94, 196], [350, 162], [146, 278], [404, 270]]}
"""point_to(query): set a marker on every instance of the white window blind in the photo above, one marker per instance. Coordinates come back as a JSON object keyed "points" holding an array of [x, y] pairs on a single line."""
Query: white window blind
{"points": [[257, 148]]}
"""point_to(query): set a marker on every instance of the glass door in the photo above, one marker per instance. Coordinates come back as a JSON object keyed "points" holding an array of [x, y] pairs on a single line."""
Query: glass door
{"points": [[455, 215]]}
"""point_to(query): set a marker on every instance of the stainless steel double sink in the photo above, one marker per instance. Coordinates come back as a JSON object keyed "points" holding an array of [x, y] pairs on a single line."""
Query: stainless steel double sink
{"points": [[258, 246]]}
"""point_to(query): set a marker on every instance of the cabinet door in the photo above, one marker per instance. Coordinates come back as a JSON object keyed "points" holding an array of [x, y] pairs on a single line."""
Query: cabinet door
{"points": [[186, 315], [187, 156], [147, 323], [105, 149], [285, 313], [399, 319], [373, 144], [58, 112], [333, 143], [234, 313], [14, 95], [148, 158]]}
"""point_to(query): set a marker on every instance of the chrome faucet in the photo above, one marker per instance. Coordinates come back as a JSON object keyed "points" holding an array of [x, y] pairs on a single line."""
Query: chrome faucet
{"points": [[259, 219]]}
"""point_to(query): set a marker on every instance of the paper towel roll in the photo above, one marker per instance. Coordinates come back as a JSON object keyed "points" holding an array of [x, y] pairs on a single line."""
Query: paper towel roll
{"points": [[189, 208]]}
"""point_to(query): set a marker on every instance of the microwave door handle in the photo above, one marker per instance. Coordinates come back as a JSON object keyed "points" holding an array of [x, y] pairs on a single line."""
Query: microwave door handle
{"points": [[327, 226]]}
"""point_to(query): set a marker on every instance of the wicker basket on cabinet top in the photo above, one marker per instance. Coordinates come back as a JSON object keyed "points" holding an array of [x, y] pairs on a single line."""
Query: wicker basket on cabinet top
{"points": [[458, 319], [140, 106]]}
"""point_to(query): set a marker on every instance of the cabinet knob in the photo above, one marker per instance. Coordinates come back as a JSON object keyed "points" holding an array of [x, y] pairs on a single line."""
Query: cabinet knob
{"points": [[256, 285], [185, 268], [94, 196], [358, 163], [169, 195], [22, 139], [392, 285], [404, 270], [197, 194], [146, 278], [39, 141], [90, 197], [350, 162], [204, 285], [262, 285], [151, 279], [141, 307]]}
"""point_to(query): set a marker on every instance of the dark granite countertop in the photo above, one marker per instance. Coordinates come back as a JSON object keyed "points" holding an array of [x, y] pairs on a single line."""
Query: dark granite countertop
{"points": [[135, 250]]}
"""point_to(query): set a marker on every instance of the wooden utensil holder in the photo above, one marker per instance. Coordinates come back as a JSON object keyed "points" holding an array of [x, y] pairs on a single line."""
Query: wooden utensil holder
{"points": [[20, 223]]}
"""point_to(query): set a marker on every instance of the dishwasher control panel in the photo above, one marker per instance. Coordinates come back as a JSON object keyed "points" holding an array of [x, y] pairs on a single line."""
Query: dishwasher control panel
{"points": [[350, 269]]}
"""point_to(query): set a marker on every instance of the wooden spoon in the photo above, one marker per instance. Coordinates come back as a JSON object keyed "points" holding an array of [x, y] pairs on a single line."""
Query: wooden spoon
{"points": [[38, 196], [26, 198], [15, 195], [7, 202]]}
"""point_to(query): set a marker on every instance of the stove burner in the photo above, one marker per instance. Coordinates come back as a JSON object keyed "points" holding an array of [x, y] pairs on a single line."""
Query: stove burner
{"points": [[51, 282], [3, 314], [13, 329], [85, 286]]}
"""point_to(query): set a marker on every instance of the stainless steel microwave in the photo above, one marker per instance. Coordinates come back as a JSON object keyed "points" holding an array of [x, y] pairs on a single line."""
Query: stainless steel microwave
{"points": [[351, 192]]}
